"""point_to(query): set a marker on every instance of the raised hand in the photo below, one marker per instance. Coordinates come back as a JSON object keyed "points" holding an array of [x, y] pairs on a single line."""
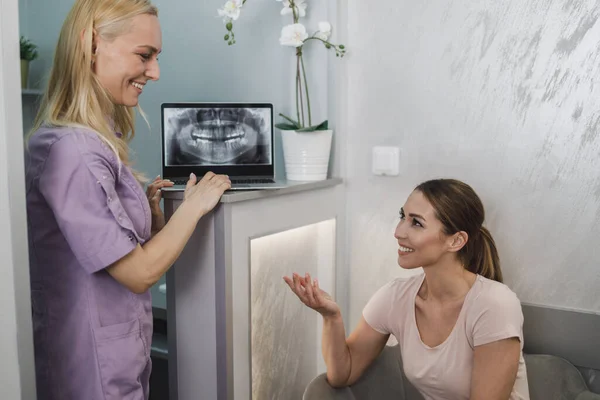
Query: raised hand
{"points": [[312, 295], [154, 195], [206, 192]]}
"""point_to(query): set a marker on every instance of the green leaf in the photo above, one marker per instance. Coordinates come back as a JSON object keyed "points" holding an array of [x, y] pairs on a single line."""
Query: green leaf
{"points": [[287, 127], [295, 123], [323, 126], [28, 49]]}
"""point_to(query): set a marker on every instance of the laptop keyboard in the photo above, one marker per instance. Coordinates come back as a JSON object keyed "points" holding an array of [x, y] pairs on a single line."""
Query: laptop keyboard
{"points": [[234, 181]]}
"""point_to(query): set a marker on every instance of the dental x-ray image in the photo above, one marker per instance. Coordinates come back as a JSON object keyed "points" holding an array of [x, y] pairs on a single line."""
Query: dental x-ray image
{"points": [[217, 136]]}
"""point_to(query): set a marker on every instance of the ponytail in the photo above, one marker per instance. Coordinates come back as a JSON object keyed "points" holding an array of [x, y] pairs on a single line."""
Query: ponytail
{"points": [[486, 261]]}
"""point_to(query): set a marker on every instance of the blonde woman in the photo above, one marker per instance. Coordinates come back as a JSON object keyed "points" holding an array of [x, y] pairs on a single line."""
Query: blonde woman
{"points": [[97, 241]]}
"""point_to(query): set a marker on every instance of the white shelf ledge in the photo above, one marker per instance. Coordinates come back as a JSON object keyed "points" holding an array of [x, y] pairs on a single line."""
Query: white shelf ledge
{"points": [[32, 92]]}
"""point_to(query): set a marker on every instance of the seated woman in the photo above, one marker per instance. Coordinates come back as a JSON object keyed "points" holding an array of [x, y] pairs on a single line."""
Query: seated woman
{"points": [[460, 330]]}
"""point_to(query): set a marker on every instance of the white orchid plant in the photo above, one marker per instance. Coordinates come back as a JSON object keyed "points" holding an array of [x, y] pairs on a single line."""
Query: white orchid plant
{"points": [[293, 35]]}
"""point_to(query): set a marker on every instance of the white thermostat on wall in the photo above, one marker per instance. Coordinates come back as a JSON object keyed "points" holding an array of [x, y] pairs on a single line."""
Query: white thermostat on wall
{"points": [[386, 161]]}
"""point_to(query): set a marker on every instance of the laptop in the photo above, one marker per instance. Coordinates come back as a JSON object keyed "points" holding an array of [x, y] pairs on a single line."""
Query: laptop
{"points": [[235, 139]]}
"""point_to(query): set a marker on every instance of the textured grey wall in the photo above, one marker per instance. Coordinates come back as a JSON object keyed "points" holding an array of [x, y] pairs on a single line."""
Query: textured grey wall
{"points": [[286, 335], [503, 95]]}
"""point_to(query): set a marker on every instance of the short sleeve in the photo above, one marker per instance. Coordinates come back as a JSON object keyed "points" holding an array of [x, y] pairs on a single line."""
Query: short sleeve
{"points": [[497, 315], [78, 184], [377, 311]]}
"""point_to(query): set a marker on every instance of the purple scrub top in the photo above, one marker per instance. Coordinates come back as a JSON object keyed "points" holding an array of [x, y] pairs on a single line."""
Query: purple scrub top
{"points": [[92, 336]]}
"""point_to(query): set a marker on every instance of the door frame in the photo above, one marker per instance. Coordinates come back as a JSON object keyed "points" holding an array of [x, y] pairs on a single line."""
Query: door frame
{"points": [[17, 368]]}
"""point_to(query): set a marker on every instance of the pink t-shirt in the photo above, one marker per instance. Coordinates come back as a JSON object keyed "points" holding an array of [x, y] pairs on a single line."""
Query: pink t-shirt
{"points": [[491, 312]]}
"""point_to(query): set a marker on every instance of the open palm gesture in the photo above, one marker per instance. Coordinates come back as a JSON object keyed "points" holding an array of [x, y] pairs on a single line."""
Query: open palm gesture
{"points": [[312, 295]]}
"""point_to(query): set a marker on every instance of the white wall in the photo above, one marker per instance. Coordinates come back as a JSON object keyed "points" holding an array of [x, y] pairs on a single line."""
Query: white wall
{"points": [[503, 95], [17, 378]]}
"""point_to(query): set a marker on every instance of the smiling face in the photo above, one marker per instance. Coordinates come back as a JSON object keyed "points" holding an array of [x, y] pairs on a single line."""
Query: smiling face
{"points": [[126, 63], [420, 235]]}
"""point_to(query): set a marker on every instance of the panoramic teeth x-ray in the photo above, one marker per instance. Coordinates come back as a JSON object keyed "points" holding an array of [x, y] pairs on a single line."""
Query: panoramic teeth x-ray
{"points": [[217, 136]]}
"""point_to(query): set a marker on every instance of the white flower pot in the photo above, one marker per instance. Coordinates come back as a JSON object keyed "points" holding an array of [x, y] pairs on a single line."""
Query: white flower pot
{"points": [[306, 154]]}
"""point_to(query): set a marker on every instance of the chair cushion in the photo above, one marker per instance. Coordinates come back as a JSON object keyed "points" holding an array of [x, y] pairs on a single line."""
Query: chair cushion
{"points": [[549, 377], [554, 378], [383, 380], [319, 389], [588, 396]]}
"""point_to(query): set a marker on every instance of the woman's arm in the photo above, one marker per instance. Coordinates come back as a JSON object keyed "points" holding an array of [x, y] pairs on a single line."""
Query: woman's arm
{"points": [[346, 360], [144, 266], [495, 367]]}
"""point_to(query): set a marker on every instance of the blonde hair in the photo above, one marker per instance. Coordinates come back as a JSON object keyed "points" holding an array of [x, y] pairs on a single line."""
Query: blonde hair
{"points": [[74, 95]]}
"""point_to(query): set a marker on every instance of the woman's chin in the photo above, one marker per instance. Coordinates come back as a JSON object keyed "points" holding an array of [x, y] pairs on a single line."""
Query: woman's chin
{"points": [[131, 102], [407, 266], [128, 100]]}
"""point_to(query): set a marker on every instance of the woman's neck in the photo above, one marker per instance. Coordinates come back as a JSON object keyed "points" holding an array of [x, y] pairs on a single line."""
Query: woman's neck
{"points": [[446, 281]]}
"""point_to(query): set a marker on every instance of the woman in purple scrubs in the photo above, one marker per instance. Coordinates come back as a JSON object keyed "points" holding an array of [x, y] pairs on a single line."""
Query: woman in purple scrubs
{"points": [[98, 242]]}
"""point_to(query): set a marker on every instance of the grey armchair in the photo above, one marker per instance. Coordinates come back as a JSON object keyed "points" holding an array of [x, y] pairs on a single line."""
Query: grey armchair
{"points": [[380, 381], [550, 378]]}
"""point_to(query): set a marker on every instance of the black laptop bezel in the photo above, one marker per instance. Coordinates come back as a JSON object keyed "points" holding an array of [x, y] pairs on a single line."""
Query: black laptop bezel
{"points": [[266, 171]]}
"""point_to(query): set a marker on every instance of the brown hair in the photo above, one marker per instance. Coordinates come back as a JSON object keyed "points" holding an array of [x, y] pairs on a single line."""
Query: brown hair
{"points": [[459, 208]]}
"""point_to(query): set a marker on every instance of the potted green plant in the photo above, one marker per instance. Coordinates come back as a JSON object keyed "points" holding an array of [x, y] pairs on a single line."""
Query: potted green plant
{"points": [[28, 54], [306, 145]]}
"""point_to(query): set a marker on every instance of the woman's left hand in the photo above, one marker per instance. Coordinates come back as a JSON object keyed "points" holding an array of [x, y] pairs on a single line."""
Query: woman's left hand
{"points": [[154, 194]]}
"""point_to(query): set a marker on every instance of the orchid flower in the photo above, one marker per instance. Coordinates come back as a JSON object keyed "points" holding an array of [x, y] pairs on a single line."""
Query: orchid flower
{"points": [[299, 7], [230, 11], [324, 31], [293, 35]]}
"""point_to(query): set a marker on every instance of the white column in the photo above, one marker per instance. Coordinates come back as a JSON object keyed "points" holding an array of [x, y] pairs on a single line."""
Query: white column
{"points": [[17, 376]]}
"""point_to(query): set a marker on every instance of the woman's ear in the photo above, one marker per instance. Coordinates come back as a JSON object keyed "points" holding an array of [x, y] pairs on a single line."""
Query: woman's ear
{"points": [[458, 241], [94, 43], [94, 40]]}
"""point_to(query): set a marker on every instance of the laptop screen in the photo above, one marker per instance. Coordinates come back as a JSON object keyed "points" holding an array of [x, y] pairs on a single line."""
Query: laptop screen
{"points": [[231, 138]]}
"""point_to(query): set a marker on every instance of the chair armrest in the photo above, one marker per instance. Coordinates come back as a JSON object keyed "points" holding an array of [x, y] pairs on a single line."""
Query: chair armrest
{"points": [[588, 396], [552, 377], [319, 389], [383, 379]]}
